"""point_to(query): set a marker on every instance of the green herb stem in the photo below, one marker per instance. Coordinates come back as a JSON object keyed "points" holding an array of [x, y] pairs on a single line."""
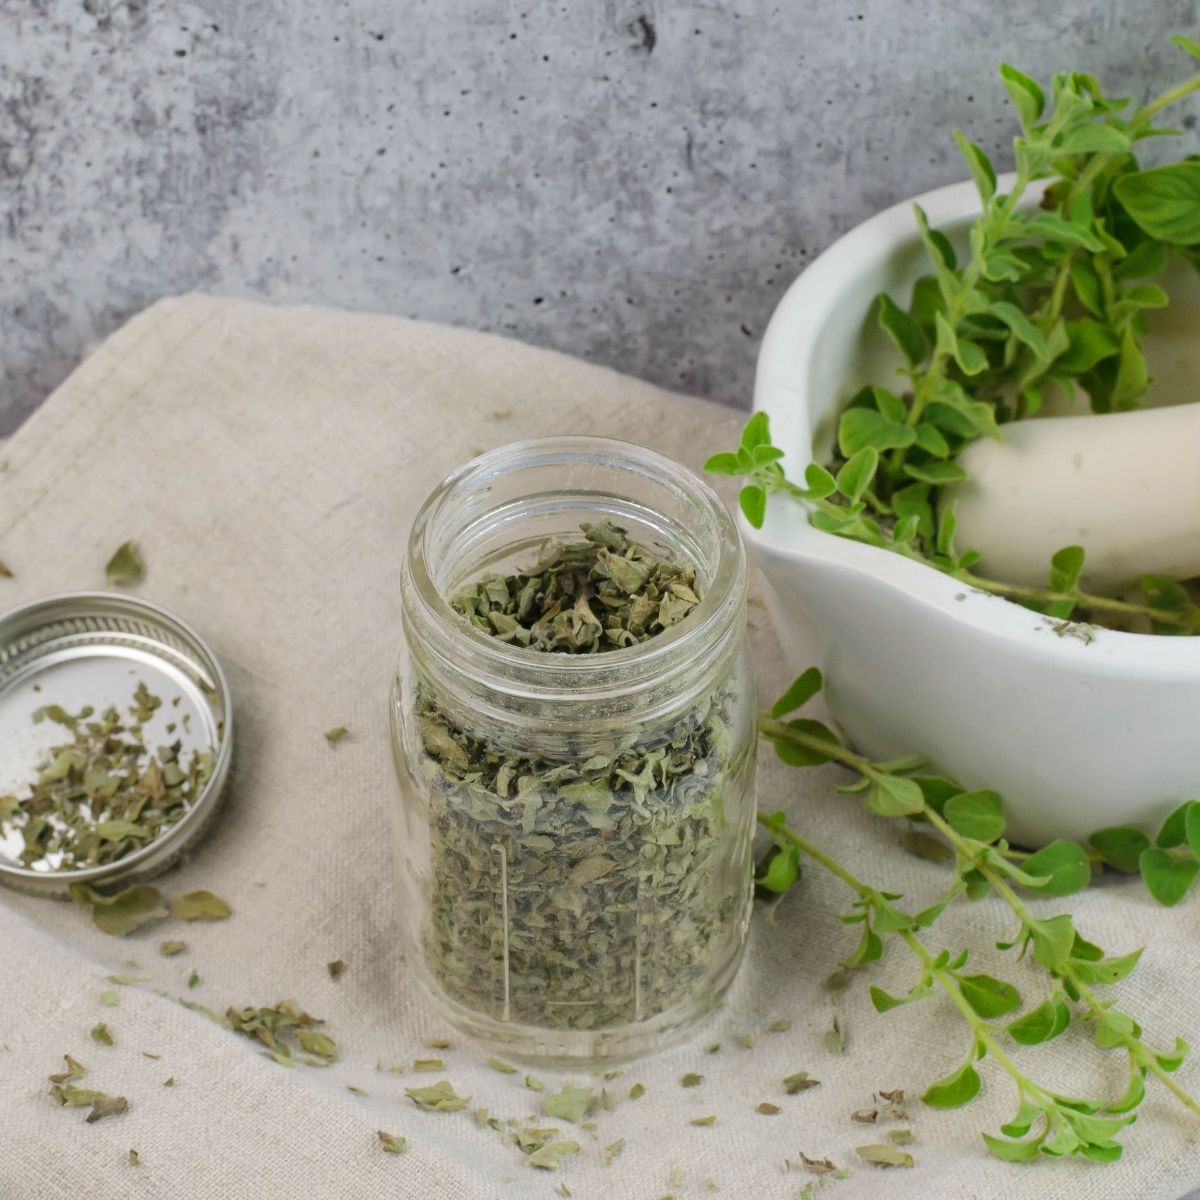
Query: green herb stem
{"points": [[1189, 622]]}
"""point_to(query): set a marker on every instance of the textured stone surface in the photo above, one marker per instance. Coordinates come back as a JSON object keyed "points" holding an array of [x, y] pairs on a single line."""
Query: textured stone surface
{"points": [[634, 182]]}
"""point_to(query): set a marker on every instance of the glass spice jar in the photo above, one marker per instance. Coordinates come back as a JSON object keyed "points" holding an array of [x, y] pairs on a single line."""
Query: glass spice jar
{"points": [[573, 719]]}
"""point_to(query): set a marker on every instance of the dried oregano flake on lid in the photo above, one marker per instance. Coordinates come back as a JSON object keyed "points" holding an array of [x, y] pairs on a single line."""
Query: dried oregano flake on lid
{"points": [[100, 794]]}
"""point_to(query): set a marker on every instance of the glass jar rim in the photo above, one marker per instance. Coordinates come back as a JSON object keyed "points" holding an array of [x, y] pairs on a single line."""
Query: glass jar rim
{"points": [[723, 598]]}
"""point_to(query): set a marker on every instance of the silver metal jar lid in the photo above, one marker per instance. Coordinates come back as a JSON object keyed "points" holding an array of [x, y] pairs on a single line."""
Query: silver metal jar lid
{"points": [[93, 649]]}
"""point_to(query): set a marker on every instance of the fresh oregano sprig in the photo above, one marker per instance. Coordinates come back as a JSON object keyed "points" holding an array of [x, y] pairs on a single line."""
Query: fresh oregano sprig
{"points": [[972, 824], [1047, 300]]}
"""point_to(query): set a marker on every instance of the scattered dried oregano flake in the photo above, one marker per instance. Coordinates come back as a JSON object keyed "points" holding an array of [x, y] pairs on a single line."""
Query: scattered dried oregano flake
{"points": [[171, 948], [110, 998], [350, 1087], [865, 1116], [438, 1097], [270, 1025], [691, 1080], [703, 1121], [800, 1082], [107, 1106], [767, 1109], [70, 1096], [438, 1043], [534, 1084], [780, 1026], [333, 736], [835, 1039], [336, 969], [884, 1155], [127, 980], [169, 1082], [571, 1104], [126, 567], [199, 906], [901, 1137], [193, 978], [636, 1091], [135, 1159], [5, 573], [818, 1166], [613, 1151], [500, 1065], [123, 913], [393, 1143], [551, 1155], [75, 1070], [713, 1048], [428, 1064], [746, 1041], [102, 1034]]}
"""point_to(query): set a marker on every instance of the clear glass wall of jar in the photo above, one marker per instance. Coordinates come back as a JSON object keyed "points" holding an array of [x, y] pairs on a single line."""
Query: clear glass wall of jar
{"points": [[574, 832]]}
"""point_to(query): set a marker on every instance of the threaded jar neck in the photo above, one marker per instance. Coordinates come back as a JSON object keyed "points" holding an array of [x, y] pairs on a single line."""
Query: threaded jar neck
{"points": [[495, 513]]}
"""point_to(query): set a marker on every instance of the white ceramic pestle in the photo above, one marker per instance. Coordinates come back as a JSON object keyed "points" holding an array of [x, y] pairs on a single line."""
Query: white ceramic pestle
{"points": [[1124, 486]]}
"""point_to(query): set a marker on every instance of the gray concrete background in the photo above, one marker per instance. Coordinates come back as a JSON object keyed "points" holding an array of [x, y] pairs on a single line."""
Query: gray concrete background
{"points": [[634, 182]]}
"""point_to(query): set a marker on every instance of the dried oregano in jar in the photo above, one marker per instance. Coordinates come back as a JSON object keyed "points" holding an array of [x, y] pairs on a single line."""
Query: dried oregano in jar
{"points": [[575, 737]]}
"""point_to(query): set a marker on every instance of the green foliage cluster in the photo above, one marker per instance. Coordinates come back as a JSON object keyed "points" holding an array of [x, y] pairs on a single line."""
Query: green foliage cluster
{"points": [[1047, 299], [967, 828]]}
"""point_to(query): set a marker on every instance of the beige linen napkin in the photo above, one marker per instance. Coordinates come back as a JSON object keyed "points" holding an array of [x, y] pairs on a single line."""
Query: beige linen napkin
{"points": [[269, 462]]}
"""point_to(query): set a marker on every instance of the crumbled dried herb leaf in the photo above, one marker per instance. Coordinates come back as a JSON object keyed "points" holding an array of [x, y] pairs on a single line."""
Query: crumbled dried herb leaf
{"points": [[169, 1082], [393, 1143], [713, 1048], [818, 1166], [5, 573], [613, 1151], [319, 1045], [333, 736], [101, 795], [102, 1034], [110, 998], [691, 1080], [272, 1025], [428, 1064], [147, 1054], [746, 1041], [193, 978], [703, 1121], [107, 1106], [884, 1155], [351, 1087], [336, 969], [170, 948], [500, 1065], [75, 1070], [534, 1084], [799, 1082], [439, 1097], [135, 1159], [124, 912], [637, 1091], [782, 1025], [71, 1096], [767, 1109], [551, 1156], [125, 568], [570, 1104], [127, 980], [584, 837], [199, 906], [835, 1039], [901, 1137], [865, 1116]]}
